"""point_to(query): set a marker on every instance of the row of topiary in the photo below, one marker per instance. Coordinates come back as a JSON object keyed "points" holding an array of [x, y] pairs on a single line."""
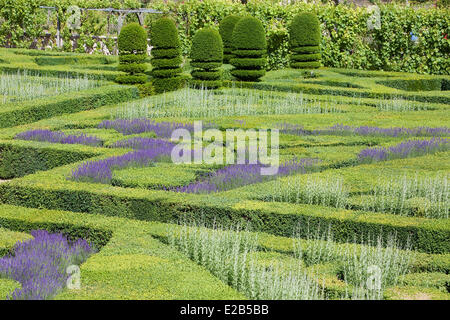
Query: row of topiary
{"points": [[241, 41]]}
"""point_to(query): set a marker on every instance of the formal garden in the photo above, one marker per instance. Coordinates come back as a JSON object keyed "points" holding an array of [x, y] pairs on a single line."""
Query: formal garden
{"points": [[355, 100]]}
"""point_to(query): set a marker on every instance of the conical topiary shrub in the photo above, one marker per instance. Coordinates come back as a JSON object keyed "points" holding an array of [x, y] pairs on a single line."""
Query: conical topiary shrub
{"points": [[166, 56], [304, 33], [207, 56], [132, 43], [249, 43], [226, 28]]}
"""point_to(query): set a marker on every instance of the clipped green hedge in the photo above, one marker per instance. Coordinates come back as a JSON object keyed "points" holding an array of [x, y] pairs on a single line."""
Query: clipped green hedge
{"points": [[166, 56], [415, 84], [226, 28], [22, 158], [127, 249], [249, 40], [304, 40], [34, 110], [132, 41], [207, 51], [55, 60], [425, 235]]}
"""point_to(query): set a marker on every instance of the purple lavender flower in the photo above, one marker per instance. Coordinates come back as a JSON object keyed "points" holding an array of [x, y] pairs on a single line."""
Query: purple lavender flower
{"points": [[237, 175], [135, 126], [40, 264], [404, 149], [143, 143], [339, 129], [58, 137], [151, 150]]}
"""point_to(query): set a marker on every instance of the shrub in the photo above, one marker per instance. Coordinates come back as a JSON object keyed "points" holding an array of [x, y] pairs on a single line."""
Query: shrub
{"points": [[249, 43], [304, 41], [132, 43], [226, 28], [207, 56], [166, 59]]}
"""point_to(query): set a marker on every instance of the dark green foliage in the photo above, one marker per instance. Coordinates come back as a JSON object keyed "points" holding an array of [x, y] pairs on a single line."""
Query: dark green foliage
{"points": [[132, 79], [171, 83], [164, 34], [206, 74], [166, 73], [162, 63], [249, 34], [306, 49], [304, 30], [132, 58], [305, 57], [248, 75], [166, 56], [415, 84], [249, 43], [166, 53], [248, 62], [226, 28], [304, 41], [132, 39], [207, 55], [250, 53], [146, 89], [132, 68], [132, 43], [55, 61], [18, 161], [206, 65], [207, 46]]}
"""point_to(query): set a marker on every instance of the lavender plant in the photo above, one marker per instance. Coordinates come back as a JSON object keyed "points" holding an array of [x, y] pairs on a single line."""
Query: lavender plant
{"points": [[135, 126], [340, 129], [58, 137], [101, 170], [40, 264], [237, 175], [410, 148], [140, 143]]}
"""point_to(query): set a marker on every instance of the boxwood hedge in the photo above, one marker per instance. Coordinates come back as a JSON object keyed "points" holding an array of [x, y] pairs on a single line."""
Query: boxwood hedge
{"points": [[249, 43], [304, 40]]}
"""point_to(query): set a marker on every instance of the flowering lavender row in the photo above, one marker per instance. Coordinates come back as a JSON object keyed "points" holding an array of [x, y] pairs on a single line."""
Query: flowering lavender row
{"points": [[238, 175], [135, 126], [58, 137], [339, 129], [143, 143], [101, 171], [40, 264], [404, 149]]}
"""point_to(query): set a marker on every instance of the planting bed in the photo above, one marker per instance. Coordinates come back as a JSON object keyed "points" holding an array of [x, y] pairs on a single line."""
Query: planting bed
{"points": [[363, 181]]}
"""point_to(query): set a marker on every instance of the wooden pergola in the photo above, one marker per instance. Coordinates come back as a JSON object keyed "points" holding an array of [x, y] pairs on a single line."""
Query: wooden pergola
{"points": [[122, 13]]}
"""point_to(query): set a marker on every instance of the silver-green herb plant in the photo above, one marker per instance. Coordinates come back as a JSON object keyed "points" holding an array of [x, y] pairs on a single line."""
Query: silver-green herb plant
{"points": [[204, 103], [312, 190], [419, 196], [23, 85], [229, 255]]}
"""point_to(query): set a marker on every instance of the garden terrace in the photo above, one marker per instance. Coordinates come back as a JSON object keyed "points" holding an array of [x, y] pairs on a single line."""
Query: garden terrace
{"points": [[329, 118]]}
